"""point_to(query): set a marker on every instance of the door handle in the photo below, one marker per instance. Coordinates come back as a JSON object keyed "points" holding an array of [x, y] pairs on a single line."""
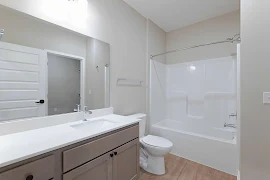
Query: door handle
{"points": [[40, 101]]}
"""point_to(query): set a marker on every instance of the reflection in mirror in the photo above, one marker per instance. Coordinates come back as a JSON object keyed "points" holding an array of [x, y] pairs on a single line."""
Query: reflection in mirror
{"points": [[49, 70], [63, 73]]}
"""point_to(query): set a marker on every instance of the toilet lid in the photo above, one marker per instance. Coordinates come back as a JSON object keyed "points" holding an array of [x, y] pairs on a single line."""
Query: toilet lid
{"points": [[157, 141]]}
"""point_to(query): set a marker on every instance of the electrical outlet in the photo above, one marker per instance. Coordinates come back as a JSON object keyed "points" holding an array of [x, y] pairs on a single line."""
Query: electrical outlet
{"points": [[266, 97]]}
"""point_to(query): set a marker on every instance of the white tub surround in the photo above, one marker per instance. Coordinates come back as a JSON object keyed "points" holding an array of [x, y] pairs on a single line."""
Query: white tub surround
{"points": [[24, 145], [216, 150], [200, 97], [202, 92]]}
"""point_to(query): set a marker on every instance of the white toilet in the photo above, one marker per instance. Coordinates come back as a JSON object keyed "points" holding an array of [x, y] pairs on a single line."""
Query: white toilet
{"points": [[154, 147]]}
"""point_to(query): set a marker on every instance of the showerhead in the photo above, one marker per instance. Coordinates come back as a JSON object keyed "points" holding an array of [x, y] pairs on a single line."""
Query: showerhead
{"points": [[1, 33]]}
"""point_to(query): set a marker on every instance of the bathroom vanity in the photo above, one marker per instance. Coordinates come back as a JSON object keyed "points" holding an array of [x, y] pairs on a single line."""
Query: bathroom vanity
{"points": [[108, 152]]}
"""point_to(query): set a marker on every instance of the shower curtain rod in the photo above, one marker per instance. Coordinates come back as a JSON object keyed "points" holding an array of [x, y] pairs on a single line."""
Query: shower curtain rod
{"points": [[235, 38]]}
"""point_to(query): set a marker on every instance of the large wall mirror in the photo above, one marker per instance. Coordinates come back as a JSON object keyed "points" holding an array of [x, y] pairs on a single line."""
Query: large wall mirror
{"points": [[48, 70]]}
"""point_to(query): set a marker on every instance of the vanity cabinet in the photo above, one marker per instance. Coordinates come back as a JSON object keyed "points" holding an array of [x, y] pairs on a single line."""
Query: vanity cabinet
{"points": [[81, 154], [111, 156], [98, 169], [119, 164], [126, 161]]}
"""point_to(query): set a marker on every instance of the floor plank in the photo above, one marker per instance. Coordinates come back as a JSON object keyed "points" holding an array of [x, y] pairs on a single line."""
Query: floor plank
{"points": [[178, 168], [205, 173], [189, 172], [174, 166]]}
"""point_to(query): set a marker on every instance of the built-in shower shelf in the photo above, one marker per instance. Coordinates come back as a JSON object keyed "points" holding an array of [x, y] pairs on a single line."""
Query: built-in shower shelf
{"points": [[128, 82], [183, 96]]}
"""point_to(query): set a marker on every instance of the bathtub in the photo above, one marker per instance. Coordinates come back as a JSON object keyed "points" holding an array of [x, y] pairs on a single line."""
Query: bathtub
{"points": [[213, 147]]}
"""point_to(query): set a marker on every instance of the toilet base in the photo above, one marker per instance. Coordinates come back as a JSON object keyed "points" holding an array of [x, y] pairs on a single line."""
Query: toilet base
{"points": [[155, 165]]}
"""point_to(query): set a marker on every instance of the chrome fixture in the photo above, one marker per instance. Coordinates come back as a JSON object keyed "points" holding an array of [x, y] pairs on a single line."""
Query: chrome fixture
{"points": [[1, 33], [233, 115], [230, 125], [235, 38], [86, 111], [78, 109]]}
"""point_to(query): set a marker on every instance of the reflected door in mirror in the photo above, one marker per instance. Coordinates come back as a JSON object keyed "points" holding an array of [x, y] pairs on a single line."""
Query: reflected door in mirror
{"points": [[22, 82]]}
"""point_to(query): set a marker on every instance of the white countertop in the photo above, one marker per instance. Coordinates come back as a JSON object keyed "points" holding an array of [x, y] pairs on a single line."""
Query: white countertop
{"points": [[24, 145]]}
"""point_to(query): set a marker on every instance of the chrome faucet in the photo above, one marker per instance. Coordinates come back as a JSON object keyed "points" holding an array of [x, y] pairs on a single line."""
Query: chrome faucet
{"points": [[85, 112], [78, 109], [230, 125]]}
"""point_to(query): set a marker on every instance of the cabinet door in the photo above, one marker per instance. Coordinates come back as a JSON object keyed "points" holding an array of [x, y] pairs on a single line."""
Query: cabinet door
{"points": [[126, 161], [97, 169], [34, 170]]}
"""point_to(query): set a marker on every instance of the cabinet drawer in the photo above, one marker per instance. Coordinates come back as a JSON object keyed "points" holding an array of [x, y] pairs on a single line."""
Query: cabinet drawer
{"points": [[42, 169], [77, 156], [97, 169]]}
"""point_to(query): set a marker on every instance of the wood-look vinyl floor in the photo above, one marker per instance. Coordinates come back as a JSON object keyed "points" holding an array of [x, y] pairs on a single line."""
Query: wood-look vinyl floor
{"points": [[178, 168]]}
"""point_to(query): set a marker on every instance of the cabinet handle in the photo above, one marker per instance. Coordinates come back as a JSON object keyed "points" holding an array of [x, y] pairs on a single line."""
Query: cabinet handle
{"points": [[110, 155], [115, 153], [30, 177]]}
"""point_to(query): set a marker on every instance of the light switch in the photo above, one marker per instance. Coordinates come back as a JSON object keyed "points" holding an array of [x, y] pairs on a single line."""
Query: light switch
{"points": [[89, 92], [266, 97]]}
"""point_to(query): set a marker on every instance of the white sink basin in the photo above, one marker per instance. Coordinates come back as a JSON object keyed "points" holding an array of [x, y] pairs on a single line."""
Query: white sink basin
{"points": [[94, 125]]}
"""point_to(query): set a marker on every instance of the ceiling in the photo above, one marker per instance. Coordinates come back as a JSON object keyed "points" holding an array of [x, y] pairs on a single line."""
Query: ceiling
{"points": [[173, 14]]}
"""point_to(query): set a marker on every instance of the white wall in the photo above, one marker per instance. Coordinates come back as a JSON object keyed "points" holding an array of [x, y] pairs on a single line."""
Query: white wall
{"points": [[113, 22], [156, 43], [212, 30], [255, 116]]}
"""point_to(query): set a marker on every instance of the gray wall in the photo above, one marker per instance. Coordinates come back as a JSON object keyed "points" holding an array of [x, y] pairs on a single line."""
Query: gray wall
{"points": [[27, 31], [98, 54], [255, 116], [212, 30], [156, 44], [63, 84]]}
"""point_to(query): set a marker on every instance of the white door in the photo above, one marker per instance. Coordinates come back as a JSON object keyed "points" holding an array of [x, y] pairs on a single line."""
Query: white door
{"points": [[22, 82]]}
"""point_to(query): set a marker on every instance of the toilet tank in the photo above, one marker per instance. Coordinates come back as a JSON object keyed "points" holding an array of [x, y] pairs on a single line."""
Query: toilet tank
{"points": [[142, 123]]}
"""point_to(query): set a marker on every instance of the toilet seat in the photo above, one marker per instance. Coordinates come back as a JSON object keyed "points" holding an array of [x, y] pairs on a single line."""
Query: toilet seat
{"points": [[156, 141]]}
